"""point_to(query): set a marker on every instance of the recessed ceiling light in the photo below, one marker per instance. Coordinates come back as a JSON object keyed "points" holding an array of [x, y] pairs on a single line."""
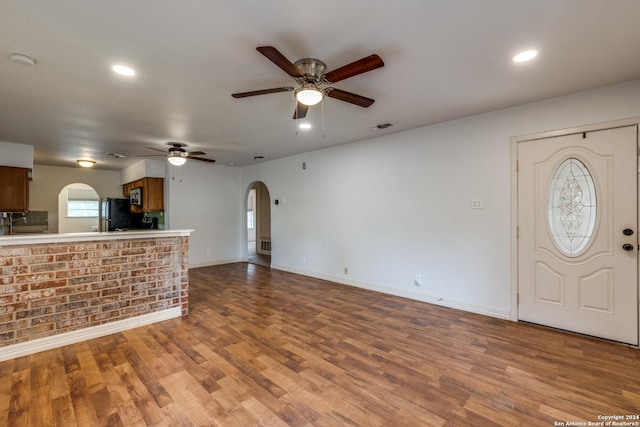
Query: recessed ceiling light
{"points": [[86, 163], [525, 56], [123, 70], [305, 125]]}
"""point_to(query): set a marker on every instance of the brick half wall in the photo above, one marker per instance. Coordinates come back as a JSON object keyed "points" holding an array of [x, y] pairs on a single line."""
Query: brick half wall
{"points": [[53, 288]]}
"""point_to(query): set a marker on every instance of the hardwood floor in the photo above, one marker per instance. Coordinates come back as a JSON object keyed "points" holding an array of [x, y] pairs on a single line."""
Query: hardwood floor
{"points": [[267, 348]]}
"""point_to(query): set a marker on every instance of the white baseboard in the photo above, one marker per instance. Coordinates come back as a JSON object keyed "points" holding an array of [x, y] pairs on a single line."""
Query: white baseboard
{"points": [[55, 341], [459, 305]]}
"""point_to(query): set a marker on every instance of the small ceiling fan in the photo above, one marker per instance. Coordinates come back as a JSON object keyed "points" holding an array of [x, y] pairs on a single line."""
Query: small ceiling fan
{"points": [[177, 155], [310, 75]]}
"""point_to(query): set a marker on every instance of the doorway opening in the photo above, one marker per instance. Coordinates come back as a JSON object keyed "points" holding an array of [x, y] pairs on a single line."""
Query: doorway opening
{"points": [[258, 218], [78, 209]]}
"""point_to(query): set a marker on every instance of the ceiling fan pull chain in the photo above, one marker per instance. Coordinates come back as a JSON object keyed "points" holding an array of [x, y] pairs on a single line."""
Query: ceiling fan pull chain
{"points": [[295, 122], [322, 107]]}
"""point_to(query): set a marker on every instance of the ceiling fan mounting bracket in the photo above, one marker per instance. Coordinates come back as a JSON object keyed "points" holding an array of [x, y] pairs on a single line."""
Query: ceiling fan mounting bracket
{"points": [[312, 69], [176, 144], [176, 149]]}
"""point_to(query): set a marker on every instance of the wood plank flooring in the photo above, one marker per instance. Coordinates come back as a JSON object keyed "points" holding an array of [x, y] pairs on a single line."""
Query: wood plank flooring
{"points": [[267, 348]]}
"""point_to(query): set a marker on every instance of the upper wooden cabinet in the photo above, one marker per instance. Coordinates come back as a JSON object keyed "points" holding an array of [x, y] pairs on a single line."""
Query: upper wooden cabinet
{"points": [[152, 194], [14, 189], [126, 189]]}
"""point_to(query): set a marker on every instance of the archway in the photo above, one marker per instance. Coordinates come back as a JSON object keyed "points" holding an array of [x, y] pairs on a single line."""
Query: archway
{"points": [[258, 220], [78, 208]]}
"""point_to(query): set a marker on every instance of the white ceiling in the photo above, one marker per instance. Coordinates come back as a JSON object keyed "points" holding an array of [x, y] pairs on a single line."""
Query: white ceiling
{"points": [[444, 59]]}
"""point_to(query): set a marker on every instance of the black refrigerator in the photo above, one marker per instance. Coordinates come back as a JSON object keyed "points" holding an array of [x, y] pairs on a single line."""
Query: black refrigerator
{"points": [[116, 215]]}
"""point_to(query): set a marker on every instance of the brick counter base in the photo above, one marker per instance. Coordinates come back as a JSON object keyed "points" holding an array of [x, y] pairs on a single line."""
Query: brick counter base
{"points": [[49, 289]]}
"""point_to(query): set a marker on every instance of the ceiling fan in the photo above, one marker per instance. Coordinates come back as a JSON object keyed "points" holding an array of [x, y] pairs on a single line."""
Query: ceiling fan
{"points": [[177, 155], [310, 75]]}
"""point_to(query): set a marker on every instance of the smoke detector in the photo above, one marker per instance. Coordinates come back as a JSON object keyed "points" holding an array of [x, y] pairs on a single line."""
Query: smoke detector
{"points": [[21, 59]]}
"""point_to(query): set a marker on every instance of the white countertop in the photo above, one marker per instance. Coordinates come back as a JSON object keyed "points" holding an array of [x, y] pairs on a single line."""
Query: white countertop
{"points": [[40, 238]]}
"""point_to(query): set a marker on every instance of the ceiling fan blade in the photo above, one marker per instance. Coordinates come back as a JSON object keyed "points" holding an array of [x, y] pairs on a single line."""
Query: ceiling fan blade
{"points": [[202, 159], [196, 153], [300, 111], [280, 60], [352, 98], [150, 155], [156, 149], [360, 66], [261, 92]]}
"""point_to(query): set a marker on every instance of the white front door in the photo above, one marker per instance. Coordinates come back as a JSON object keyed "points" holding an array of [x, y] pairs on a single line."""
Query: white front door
{"points": [[578, 234]]}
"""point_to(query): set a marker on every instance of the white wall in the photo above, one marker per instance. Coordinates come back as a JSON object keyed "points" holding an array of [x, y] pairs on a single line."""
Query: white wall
{"points": [[48, 181], [210, 200], [145, 168], [395, 206], [17, 155]]}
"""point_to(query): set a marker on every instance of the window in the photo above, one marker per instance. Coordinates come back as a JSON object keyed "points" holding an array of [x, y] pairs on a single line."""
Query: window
{"points": [[82, 203], [250, 221], [572, 208], [82, 208]]}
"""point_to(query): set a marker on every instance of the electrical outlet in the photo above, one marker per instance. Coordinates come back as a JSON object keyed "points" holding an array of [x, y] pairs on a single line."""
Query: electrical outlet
{"points": [[418, 280], [304, 260], [346, 270], [476, 203], [209, 252]]}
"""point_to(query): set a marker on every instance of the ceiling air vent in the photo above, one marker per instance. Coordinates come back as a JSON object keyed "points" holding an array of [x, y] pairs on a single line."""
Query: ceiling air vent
{"points": [[382, 126]]}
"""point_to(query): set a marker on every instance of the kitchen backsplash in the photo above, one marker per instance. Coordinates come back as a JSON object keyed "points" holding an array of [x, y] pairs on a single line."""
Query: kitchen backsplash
{"points": [[159, 215], [32, 222]]}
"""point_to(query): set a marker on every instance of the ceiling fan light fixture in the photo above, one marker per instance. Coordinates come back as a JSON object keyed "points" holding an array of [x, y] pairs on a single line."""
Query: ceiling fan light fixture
{"points": [[309, 95], [177, 160]]}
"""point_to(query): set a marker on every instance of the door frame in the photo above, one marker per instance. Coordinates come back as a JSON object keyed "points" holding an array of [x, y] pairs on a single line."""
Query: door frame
{"points": [[245, 233], [515, 140]]}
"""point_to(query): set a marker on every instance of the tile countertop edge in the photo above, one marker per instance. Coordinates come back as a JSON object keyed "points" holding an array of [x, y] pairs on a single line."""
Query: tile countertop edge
{"points": [[37, 238]]}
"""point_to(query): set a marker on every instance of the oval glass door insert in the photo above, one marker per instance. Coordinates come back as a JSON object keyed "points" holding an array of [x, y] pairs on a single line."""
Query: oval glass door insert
{"points": [[572, 207]]}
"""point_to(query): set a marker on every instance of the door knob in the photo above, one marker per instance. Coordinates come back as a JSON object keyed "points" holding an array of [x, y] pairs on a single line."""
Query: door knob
{"points": [[627, 232], [627, 247]]}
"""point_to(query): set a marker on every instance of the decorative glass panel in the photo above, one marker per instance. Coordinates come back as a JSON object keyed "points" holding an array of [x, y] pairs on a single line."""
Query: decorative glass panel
{"points": [[572, 207]]}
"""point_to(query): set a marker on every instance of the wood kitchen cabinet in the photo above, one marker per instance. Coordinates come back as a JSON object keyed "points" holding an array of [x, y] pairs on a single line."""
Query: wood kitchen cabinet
{"points": [[126, 189], [152, 194], [14, 189]]}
